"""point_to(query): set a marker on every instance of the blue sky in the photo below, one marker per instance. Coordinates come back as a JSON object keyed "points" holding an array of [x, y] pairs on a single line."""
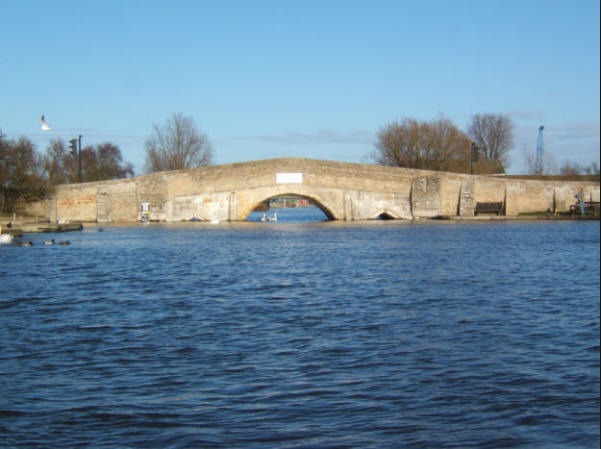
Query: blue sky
{"points": [[314, 79]]}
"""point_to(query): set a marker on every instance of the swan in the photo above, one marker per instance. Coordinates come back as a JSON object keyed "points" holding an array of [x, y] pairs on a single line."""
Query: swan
{"points": [[5, 238]]}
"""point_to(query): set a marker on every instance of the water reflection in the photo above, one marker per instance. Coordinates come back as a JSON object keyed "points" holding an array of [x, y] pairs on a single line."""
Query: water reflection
{"points": [[288, 215]]}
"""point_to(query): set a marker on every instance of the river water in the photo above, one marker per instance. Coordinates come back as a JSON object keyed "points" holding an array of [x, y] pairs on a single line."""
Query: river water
{"points": [[299, 334]]}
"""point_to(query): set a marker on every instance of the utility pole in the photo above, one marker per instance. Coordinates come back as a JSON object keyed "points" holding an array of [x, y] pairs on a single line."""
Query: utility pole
{"points": [[75, 145]]}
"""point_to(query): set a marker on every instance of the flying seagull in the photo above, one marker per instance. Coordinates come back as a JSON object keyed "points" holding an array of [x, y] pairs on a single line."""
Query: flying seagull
{"points": [[44, 125]]}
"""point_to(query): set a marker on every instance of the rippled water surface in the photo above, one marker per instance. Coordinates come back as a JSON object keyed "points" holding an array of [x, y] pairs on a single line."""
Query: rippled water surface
{"points": [[303, 335]]}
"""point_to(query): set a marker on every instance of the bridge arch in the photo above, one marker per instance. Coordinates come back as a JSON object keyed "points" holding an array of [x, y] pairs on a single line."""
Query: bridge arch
{"points": [[387, 215], [312, 198]]}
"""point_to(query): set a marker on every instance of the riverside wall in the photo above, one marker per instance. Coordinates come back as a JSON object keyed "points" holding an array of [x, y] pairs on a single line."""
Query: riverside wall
{"points": [[344, 191]]}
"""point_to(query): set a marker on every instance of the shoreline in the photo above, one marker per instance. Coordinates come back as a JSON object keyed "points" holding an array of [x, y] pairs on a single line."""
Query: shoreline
{"points": [[19, 228]]}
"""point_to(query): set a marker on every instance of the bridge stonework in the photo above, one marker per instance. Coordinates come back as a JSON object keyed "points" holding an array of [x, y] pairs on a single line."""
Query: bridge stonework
{"points": [[344, 191]]}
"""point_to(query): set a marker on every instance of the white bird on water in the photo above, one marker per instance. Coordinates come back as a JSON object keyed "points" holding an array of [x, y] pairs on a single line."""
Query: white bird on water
{"points": [[44, 125], [5, 238]]}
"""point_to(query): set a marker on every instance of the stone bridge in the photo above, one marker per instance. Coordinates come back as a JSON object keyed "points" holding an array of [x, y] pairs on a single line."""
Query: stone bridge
{"points": [[344, 191]]}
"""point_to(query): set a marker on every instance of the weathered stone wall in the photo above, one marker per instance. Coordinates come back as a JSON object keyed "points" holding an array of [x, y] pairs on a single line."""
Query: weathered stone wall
{"points": [[77, 202], [466, 201], [344, 191], [120, 202], [529, 196], [426, 196]]}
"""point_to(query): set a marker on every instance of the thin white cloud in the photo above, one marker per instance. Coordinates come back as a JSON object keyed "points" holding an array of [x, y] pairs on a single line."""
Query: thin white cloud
{"points": [[527, 115], [576, 131], [322, 136]]}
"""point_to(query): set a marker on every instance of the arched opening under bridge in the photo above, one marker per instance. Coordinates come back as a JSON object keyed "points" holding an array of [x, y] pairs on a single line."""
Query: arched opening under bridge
{"points": [[290, 208], [386, 216]]}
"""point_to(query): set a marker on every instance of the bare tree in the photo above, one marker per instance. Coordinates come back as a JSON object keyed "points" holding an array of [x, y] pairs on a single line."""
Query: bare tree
{"points": [[572, 168], [549, 163], [435, 145], [21, 173], [97, 163], [449, 146], [54, 163], [592, 169], [177, 145], [104, 162], [398, 144], [493, 135]]}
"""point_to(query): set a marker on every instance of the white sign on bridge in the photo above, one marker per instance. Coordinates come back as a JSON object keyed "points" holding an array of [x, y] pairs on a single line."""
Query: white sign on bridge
{"points": [[289, 178]]}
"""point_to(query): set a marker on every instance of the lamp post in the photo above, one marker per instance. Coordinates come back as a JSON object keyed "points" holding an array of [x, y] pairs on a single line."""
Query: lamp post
{"points": [[473, 157]]}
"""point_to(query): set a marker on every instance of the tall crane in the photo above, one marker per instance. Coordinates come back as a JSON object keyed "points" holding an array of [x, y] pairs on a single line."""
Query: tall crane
{"points": [[538, 163]]}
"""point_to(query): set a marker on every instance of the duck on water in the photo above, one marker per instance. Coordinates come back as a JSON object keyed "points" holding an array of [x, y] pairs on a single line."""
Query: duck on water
{"points": [[46, 242], [7, 239]]}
